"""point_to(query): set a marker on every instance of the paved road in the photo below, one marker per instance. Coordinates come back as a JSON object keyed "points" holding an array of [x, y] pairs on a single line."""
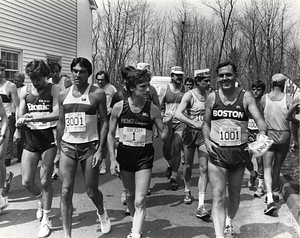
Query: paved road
{"points": [[167, 216]]}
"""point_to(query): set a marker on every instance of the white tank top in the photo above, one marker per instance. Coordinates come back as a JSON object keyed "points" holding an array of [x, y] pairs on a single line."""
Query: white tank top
{"points": [[275, 113]]}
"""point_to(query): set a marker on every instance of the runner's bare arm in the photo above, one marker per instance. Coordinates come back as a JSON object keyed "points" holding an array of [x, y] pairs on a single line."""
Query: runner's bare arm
{"points": [[4, 121], [61, 118], [115, 114], [250, 103], [293, 108], [14, 96], [161, 127], [99, 94], [206, 128]]}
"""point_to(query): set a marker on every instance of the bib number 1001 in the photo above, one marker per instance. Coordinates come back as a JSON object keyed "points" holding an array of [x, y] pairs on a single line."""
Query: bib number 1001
{"points": [[230, 135]]}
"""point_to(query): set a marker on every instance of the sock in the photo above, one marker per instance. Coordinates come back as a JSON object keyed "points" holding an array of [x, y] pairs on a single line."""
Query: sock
{"points": [[270, 197], [39, 198], [174, 175], [228, 221], [187, 185], [45, 218], [261, 182], [133, 235], [102, 217], [200, 199]]}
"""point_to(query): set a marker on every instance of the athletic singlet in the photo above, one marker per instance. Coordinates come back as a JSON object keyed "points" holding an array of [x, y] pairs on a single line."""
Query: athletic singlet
{"points": [[275, 113], [135, 128], [195, 111], [38, 105], [172, 101], [60, 84], [229, 123], [80, 118], [5, 99]]}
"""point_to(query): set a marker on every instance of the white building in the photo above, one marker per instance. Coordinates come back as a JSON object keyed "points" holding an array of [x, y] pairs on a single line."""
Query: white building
{"points": [[52, 30]]}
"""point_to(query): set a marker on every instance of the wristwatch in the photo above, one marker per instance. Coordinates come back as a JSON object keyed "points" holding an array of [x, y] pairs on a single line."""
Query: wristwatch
{"points": [[3, 136]]}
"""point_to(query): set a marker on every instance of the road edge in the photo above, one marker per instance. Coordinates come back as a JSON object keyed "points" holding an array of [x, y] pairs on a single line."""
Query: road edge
{"points": [[290, 197]]}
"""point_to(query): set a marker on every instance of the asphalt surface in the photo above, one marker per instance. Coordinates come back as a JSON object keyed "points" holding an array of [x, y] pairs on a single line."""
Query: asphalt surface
{"points": [[167, 215]]}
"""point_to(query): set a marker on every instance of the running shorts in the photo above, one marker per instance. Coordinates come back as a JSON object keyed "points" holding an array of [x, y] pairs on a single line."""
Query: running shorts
{"points": [[192, 137], [232, 158], [79, 151], [133, 159], [38, 140]]}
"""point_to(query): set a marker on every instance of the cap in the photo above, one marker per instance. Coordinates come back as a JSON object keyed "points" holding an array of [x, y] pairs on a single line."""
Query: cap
{"points": [[202, 73], [143, 66], [279, 78], [176, 70]]}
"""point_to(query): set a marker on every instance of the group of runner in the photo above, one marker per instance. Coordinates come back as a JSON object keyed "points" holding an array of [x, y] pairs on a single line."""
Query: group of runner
{"points": [[218, 125]]}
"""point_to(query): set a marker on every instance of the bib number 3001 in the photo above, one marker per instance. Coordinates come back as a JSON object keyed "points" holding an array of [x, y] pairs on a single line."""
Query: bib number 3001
{"points": [[75, 121], [229, 136]]}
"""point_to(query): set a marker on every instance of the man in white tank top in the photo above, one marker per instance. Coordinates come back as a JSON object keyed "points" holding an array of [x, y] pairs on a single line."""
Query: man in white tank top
{"points": [[3, 137], [191, 111], [275, 107], [80, 141]]}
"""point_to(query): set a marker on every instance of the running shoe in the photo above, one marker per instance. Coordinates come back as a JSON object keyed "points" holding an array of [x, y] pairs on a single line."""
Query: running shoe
{"points": [[134, 236], [270, 209], [169, 172], [229, 232], [3, 203], [260, 191], [127, 212], [251, 181], [8, 181], [104, 222], [187, 197], [44, 230], [54, 176], [124, 197], [102, 171], [182, 159], [275, 198], [173, 184], [202, 212], [39, 212]]}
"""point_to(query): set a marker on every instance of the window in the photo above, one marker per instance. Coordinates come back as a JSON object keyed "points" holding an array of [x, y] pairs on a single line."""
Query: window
{"points": [[53, 59], [12, 60]]}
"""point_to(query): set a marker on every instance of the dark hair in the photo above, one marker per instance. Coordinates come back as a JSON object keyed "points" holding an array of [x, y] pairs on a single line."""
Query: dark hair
{"points": [[137, 76], [125, 71], [37, 69], [260, 84], [53, 64], [226, 63], [83, 62], [106, 76], [2, 63], [189, 80]]}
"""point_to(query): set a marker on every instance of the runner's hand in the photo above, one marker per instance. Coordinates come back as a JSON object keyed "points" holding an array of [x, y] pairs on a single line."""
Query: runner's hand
{"points": [[114, 168], [210, 147]]}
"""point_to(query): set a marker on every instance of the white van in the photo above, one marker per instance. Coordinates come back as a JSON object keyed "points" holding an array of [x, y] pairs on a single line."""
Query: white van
{"points": [[159, 82]]}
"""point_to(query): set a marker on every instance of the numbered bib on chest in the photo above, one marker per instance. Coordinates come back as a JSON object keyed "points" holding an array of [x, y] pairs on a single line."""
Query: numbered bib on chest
{"points": [[134, 136], [75, 121], [252, 124], [230, 135]]}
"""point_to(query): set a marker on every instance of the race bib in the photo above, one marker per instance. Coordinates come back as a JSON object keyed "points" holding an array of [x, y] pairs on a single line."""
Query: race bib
{"points": [[252, 124], [39, 125], [75, 121], [230, 135], [134, 136]]}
